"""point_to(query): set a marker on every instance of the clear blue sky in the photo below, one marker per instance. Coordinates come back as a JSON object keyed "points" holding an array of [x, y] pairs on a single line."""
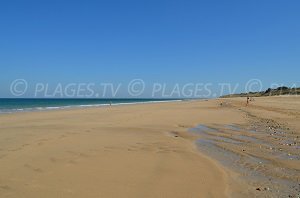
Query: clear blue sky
{"points": [[158, 41]]}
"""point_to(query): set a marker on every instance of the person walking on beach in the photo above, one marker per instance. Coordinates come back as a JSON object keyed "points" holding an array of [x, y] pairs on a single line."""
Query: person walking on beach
{"points": [[248, 100]]}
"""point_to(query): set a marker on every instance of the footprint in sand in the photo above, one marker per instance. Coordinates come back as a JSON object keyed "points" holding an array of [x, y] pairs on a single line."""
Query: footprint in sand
{"points": [[78, 155], [16, 149], [83, 155], [42, 141], [72, 133], [53, 159], [5, 187], [72, 162], [33, 168], [63, 136]]}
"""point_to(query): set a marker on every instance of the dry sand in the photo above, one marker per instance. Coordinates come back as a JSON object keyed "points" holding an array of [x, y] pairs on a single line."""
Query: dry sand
{"points": [[133, 150]]}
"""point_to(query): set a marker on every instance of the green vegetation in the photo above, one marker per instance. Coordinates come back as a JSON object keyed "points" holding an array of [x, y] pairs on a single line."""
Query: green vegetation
{"points": [[269, 92]]}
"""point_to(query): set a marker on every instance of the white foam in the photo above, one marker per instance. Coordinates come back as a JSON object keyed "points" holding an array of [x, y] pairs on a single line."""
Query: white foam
{"points": [[82, 106]]}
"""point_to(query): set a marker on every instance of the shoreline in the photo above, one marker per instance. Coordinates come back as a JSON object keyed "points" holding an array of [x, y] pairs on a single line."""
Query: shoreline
{"points": [[70, 107]]}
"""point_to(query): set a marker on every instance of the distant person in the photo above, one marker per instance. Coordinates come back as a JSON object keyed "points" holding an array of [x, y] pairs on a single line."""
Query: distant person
{"points": [[248, 100]]}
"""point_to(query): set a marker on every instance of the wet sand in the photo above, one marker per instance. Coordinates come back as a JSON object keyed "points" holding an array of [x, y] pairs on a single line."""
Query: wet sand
{"points": [[264, 152], [151, 150]]}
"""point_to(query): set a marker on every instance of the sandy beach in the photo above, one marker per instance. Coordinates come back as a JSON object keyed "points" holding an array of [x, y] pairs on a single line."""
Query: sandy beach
{"points": [[153, 150]]}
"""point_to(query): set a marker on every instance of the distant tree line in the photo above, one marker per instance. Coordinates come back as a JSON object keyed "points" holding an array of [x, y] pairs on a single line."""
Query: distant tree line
{"points": [[269, 92]]}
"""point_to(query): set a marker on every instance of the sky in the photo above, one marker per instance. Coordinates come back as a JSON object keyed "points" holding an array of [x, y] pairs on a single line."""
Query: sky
{"points": [[171, 42]]}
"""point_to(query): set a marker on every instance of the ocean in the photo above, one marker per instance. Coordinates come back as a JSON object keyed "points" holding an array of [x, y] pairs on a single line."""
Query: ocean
{"points": [[10, 105]]}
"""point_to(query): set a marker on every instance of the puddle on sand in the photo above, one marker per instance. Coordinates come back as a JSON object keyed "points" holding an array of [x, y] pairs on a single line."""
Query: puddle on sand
{"points": [[236, 128], [248, 138], [209, 132], [202, 129], [217, 135], [254, 169], [227, 157], [226, 140]]}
